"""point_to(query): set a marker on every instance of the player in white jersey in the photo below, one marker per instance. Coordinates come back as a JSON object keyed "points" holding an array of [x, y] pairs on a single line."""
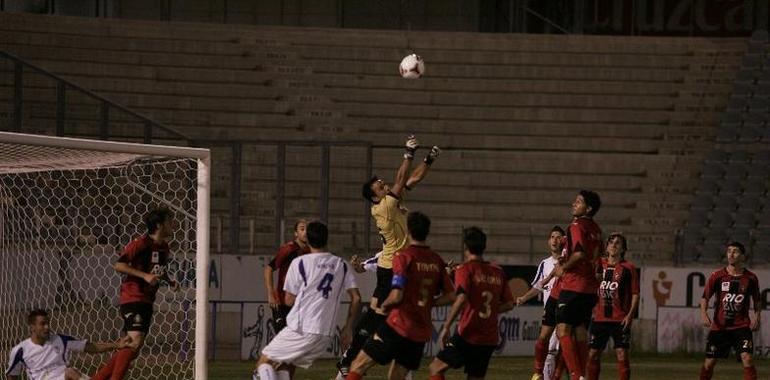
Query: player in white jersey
{"points": [[314, 286], [44, 355], [543, 283]]}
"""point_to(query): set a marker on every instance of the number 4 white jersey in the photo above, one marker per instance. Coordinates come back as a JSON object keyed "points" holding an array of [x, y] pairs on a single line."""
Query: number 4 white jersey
{"points": [[318, 281]]}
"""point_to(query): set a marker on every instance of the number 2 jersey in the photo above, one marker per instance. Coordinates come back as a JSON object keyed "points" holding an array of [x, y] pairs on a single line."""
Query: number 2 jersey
{"points": [[145, 255], [421, 274], [318, 281], [732, 295], [485, 287]]}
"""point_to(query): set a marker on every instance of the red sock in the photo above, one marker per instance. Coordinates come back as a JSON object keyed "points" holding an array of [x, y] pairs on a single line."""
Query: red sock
{"points": [[571, 356], [582, 349], [105, 372], [593, 368], [705, 374], [122, 363], [541, 352], [624, 369], [352, 375], [436, 377], [559, 367], [750, 373]]}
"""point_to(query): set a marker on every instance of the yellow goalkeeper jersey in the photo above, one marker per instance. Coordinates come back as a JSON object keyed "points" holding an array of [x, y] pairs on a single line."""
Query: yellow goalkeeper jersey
{"points": [[390, 217]]}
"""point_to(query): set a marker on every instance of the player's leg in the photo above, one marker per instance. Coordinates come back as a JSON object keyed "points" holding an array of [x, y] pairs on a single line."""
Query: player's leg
{"points": [[743, 343], [137, 318], [549, 366], [452, 356], [559, 367], [125, 356], [715, 348], [369, 322], [569, 317], [542, 342], [477, 361], [622, 341], [265, 369], [407, 355], [73, 374], [380, 349]]}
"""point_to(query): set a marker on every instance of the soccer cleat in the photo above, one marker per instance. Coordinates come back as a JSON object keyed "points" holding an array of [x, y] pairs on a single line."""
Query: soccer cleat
{"points": [[537, 376], [342, 372]]}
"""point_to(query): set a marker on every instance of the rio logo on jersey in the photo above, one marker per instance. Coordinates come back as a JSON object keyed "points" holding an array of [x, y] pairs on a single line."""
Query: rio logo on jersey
{"points": [[732, 301], [608, 288]]}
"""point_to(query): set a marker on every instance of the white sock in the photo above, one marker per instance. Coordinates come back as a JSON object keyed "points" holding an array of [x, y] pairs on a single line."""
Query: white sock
{"points": [[266, 372], [549, 366], [283, 375], [409, 375]]}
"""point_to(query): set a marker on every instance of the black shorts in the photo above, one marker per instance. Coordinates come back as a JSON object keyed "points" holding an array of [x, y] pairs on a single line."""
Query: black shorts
{"points": [[719, 343], [384, 280], [279, 317], [601, 332], [137, 316], [458, 353], [549, 312], [387, 345], [575, 308]]}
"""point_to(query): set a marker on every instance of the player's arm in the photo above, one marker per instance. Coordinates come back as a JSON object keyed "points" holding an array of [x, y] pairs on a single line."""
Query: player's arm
{"points": [[446, 329], [530, 294], [402, 174], [272, 293], [97, 347], [394, 298], [448, 294], [708, 291], [757, 321], [353, 312], [631, 311], [421, 170], [15, 365], [124, 268]]}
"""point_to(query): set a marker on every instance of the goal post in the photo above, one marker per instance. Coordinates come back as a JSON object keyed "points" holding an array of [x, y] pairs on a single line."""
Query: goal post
{"points": [[67, 208]]}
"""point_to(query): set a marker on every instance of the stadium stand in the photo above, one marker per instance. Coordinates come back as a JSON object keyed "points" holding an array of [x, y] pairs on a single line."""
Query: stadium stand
{"points": [[524, 120]]}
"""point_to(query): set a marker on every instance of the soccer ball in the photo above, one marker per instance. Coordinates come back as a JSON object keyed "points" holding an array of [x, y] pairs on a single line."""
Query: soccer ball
{"points": [[412, 67]]}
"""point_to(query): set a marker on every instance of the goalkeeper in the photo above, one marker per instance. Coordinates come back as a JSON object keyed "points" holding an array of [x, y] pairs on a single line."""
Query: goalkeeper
{"points": [[390, 216]]}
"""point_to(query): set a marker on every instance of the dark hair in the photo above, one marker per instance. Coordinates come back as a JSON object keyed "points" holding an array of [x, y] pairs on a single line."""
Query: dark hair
{"points": [[475, 240], [418, 225], [32, 316], [737, 245], [592, 200], [366, 190], [623, 242], [317, 234], [557, 229], [298, 222], [155, 217]]}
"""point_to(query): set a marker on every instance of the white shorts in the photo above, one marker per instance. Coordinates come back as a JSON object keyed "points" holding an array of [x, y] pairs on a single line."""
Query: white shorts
{"points": [[291, 347]]}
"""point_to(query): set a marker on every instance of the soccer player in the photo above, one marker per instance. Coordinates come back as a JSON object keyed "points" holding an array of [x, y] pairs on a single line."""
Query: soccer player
{"points": [[276, 297], [44, 355], [578, 283], [143, 266], [390, 216], [314, 285], [547, 357], [419, 275], [733, 287], [481, 293], [614, 313]]}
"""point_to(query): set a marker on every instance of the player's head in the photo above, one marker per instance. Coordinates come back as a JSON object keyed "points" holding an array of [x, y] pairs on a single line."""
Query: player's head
{"points": [[418, 225], [617, 245], [300, 231], [374, 189], [38, 321], [587, 203], [736, 253], [317, 235], [474, 240], [160, 220], [555, 239]]}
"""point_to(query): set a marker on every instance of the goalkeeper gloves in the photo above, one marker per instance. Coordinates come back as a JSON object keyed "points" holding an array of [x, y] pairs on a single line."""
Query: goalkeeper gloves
{"points": [[432, 155], [411, 146]]}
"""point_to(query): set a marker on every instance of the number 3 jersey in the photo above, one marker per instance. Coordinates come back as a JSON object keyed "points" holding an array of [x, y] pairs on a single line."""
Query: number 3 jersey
{"points": [[318, 281], [732, 298], [147, 256], [485, 287], [619, 283]]}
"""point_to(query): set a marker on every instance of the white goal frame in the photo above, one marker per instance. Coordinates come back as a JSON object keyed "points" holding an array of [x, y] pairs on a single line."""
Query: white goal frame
{"points": [[203, 157]]}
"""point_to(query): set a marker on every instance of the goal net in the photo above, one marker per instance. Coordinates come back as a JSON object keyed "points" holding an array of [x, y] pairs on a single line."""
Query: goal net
{"points": [[67, 209]]}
